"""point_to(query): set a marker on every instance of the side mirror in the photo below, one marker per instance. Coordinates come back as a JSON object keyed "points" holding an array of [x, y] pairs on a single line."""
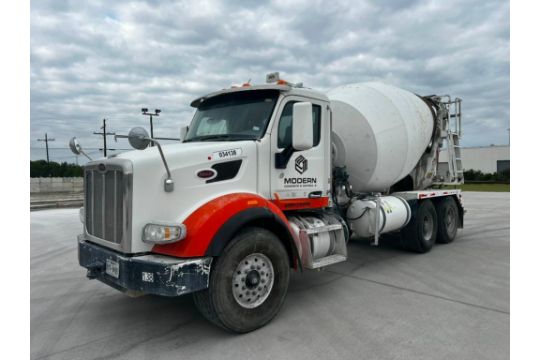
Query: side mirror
{"points": [[183, 132], [138, 138], [75, 146], [302, 126]]}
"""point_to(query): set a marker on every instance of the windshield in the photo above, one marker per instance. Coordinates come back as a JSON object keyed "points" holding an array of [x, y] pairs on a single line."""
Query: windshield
{"points": [[241, 115]]}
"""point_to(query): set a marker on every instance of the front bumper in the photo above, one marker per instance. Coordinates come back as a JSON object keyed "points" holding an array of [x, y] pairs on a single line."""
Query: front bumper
{"points": [[147, 274]]}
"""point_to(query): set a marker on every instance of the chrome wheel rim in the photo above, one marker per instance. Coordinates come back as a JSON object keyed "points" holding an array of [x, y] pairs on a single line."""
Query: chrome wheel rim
{"points": [[252, 280]]}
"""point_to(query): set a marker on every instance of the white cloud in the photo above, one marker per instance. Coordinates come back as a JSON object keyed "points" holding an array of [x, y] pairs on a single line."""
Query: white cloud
{"points": [[98, 59]]}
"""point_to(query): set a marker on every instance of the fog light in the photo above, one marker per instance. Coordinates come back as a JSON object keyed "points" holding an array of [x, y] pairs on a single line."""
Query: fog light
{"points": [[163, 233]]}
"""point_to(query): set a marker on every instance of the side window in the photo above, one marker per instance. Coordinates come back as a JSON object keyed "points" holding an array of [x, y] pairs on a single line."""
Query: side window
{"points": [[285, 125]]}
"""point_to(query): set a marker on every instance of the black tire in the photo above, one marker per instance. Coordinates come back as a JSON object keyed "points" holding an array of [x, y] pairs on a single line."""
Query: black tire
{"points": [[221, 305], [448, 220], [421, 232]]}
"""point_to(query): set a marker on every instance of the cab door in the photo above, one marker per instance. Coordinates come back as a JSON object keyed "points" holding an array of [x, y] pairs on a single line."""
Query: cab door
{"points": [[300, 179]]}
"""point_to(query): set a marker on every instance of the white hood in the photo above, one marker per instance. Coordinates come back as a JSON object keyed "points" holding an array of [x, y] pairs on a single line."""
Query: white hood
{"points": [[185, 160]]}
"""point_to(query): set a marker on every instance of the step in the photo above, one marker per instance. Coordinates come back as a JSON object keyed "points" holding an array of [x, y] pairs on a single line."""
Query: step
{"points": [[326, 228], [328, 260]]}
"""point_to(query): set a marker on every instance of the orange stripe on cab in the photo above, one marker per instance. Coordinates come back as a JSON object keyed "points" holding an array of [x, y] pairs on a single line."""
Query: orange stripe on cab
{"points": [[205, 222]]}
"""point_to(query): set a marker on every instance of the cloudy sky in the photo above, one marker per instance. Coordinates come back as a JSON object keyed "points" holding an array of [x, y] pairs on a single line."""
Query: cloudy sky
{"points": [[96, 59]]}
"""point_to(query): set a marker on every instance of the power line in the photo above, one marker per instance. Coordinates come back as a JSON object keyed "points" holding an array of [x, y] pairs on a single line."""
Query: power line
{"points": [[46, 144], [65, 156]]}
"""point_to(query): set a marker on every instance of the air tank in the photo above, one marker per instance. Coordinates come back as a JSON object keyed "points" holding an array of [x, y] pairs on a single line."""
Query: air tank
{"points": [[379, 132]]}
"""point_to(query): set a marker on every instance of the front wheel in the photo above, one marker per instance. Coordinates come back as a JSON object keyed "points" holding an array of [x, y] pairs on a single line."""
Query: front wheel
{"points": [[248, 282]]}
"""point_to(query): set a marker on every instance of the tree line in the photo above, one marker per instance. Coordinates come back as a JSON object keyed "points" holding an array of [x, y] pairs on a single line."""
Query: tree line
{"points": [[477, 175], [42, 168]]}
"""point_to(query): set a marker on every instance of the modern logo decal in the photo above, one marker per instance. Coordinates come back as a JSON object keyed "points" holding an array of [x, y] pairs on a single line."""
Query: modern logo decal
{"points": [[301, 164]]}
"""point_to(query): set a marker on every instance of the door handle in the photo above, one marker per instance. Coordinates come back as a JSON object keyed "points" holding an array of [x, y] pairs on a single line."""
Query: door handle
{"points": [[315, 194]]}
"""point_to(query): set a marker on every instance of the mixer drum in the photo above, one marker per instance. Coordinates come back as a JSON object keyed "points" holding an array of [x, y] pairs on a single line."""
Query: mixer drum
{"points": [[380, 133]]}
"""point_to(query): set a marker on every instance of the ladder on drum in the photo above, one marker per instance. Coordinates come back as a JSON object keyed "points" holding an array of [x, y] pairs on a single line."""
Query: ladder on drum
{"points": [[451, 132]]}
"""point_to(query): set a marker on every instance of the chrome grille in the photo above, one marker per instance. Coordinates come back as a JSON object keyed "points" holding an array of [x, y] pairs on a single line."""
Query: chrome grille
{"points": [[107, 189]]}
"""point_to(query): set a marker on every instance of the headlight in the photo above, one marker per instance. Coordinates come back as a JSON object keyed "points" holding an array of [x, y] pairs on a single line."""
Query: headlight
{"points": [[163, 233]]}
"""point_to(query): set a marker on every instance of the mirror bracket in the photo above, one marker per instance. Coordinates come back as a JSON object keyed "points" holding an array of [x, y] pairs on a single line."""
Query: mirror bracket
{"points": [[168, 184], [282, 158], [138, 137]]}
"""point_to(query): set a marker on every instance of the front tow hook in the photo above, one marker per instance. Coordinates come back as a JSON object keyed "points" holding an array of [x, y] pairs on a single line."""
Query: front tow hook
{"points": [[94, 269]]}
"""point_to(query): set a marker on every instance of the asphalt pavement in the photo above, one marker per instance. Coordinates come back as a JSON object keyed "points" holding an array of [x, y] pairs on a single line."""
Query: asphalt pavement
{"points": [[383, 303]]}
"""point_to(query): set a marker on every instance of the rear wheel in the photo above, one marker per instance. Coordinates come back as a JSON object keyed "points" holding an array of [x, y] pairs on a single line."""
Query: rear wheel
{"points": [[421, 232], [248, 282], [448, 220]]}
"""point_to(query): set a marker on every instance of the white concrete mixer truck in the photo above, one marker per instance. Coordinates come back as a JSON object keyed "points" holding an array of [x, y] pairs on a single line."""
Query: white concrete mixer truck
{"points": [[266, 180]]}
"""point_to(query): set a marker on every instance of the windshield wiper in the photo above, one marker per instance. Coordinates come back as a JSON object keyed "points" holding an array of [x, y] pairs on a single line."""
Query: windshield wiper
{"points": [[221, 137]]}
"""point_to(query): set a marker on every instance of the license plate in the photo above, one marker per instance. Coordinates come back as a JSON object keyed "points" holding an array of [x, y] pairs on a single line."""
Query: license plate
{"points": [[112, 268]]}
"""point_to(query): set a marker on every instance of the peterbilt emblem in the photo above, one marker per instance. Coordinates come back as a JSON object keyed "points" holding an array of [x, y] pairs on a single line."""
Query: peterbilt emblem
{"points": [[300, 164], [207, 174]]}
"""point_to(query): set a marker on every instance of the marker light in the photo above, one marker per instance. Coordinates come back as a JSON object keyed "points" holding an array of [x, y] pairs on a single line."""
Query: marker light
{"points": [[163, 233]]}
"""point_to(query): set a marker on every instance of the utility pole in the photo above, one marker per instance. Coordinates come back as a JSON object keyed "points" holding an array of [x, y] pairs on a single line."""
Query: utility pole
{"points": [[46, 144], [104, 133], [155, 113]]}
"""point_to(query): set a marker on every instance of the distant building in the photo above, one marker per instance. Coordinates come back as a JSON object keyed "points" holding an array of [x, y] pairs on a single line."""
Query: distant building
{"points": [[488, 159]]}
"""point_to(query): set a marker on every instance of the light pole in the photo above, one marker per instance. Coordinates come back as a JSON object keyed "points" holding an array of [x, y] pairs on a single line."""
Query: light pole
{"points": [[46, 144], [155, 113]]}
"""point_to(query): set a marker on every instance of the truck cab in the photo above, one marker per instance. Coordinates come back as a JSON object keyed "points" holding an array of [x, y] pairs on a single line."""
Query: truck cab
{"points": [[263, 115], [249, 194]]}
